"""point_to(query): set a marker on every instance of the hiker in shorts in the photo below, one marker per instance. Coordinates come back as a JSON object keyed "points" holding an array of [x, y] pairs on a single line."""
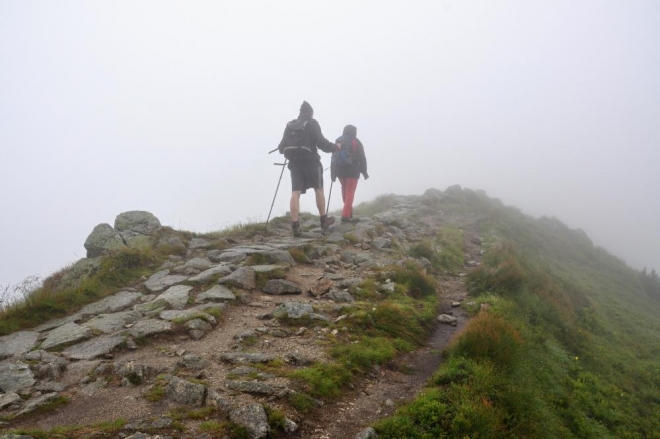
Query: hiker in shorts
{"points": [[348, 163], [300, 143]]}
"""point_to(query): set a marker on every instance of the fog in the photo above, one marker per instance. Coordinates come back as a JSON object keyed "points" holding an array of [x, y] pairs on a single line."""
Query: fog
{"points": [[172, 107]]}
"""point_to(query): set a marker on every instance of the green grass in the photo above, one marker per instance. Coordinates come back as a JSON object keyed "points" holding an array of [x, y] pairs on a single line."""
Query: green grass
{"points": [[376, 331], [568, 348], [262, 277], [117, 270], [445, 251]]}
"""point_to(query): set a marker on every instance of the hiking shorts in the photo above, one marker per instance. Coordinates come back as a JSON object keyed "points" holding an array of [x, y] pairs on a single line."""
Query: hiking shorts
{"points": [[306, 175]]}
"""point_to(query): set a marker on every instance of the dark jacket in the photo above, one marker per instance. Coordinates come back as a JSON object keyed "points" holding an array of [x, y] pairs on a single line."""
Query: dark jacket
{"points": [[359, 165], [314, 140]]}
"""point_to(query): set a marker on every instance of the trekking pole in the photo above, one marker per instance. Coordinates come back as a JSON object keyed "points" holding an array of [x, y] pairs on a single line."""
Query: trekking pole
{"points": [[329, 195], [283, 165]]}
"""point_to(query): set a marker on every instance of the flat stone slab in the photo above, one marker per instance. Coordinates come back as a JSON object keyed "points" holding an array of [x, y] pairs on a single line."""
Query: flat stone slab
{"points": [[246, 357], [218, 270], [340, 296], [217, 293], [109, 323], [34, 403], [56, 323], [9, 399], [176, 296], [15, 376], [281, 286], [17, 344], [94, 348], [243, 278], [145, 328], [187, 314], [65, 334], [151, 306], [268, 268], [163, 279], [256, 387], [111, 304], [199, 264], [229, 256]]}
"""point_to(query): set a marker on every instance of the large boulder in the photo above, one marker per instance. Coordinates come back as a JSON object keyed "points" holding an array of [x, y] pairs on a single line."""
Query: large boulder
{"points": [[15, 376], [17, 343], [137, 221], [185, 392], [253, 417], [103, 239]]}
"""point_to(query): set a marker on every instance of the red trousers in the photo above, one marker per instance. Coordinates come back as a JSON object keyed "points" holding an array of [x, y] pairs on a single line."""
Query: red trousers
{"points": [[348, 187]]}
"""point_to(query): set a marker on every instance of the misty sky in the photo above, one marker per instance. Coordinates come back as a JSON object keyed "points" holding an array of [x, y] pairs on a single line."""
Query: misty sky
{"points": [[171, 107]]}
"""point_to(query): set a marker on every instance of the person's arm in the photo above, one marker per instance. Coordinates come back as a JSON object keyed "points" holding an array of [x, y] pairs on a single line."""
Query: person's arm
{"points": [[281, 146], [363, 160], [321, 142]]}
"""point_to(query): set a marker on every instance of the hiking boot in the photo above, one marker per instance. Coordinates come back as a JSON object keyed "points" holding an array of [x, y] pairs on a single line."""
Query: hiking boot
{"points": [[295, 226], [327, 221]]}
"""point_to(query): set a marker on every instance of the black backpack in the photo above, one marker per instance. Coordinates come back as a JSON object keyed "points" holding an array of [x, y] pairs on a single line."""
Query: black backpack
{"points": [[293, 144]]}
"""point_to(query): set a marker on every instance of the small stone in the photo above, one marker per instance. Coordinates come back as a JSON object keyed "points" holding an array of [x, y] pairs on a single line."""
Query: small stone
{"points": [[445, 318], [455, 304]]}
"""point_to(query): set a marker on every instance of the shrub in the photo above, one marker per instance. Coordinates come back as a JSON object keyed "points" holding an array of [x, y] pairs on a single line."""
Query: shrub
{"points": [[418, 283]]}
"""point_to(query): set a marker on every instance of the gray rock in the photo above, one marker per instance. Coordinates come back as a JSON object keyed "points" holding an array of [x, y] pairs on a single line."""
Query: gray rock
{"points": [[93, 387], [350, 282], [367, 433], [78, 272], [243, 278], [279, 256], [152, 308], [17, 344], [15, 376], [340, 296], [293, 310], [94, 348], [193, 362], [245, 357], [50, 386], [381, 243], [103, 239], [9, 399], [335, 237], [198, 243], [109, 323], [268, 268], [253, 417], [35, 403], [229, 256], [176, 296], [214, 398], [185, 392], [58, 322], [217, 293], [256, 387], [445, 318], [199, 263], [244, 370], [196, 312], [162, 279], [137, 221], [290, 426], [197, 328], [111, 304], [145, 328], [15, 436], [66, 334], [147, 424], [204, 276], [281, 286], [136, 240]]}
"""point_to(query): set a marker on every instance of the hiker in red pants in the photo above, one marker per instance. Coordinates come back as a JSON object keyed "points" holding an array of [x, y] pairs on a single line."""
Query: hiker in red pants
{"points": [[348, 163]]}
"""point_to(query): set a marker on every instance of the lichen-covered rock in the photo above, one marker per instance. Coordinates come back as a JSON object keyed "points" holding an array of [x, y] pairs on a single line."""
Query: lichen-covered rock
{"points": [[17, 344], [243, 278], [293, 310], [111, 304], [216, 293], [137, 221], [162, 279], [253, 417], [15, 376], [102, 239], [281, 286], [93, 348], [66, 334], [185, 392], [176, 296]]}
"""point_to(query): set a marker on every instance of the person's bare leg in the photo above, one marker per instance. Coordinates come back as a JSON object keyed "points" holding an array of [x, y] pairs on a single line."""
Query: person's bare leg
{"points": [[320, 201], [294, 205]]}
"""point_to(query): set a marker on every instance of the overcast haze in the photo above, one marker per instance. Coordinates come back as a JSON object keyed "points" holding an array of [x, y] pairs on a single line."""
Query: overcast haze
{"points": [[171, 107]]}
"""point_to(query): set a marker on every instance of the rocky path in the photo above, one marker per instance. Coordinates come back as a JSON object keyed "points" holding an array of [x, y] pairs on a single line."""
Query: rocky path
{"points": [[197, 332]]}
